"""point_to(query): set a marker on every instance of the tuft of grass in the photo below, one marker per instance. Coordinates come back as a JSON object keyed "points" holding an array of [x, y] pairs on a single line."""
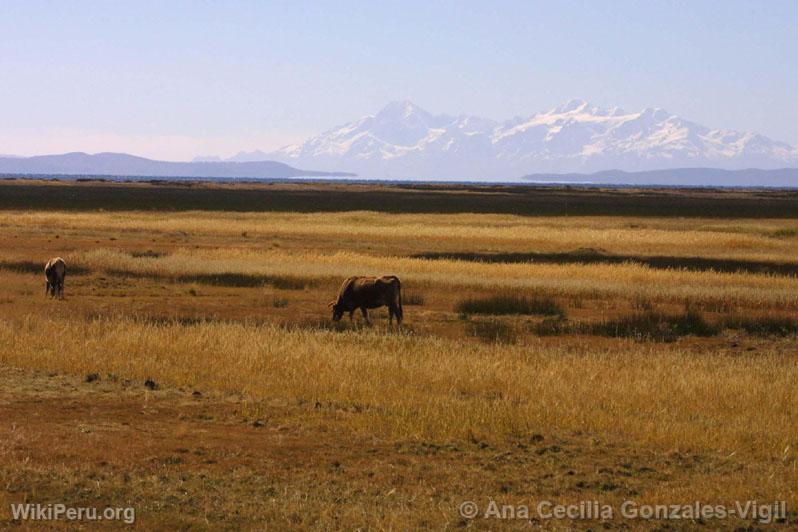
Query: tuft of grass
{"points": [[149, 254], [556, 326], [413, 298], [280, 302], [493, 331], [321, 325], [502, 304]]}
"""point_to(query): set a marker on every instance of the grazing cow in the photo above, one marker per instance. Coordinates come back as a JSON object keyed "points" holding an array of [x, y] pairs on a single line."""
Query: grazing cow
{"points": [[369, 292], [55, 272]]}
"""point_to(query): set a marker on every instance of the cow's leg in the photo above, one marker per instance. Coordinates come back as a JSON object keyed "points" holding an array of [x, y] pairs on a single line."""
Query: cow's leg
{"points": [[352, 315], [365, 314], [390, 315], [46, 288]]}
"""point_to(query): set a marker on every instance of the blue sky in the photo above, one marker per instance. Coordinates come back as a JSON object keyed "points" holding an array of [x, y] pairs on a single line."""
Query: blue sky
{"points": [[175, 79]]}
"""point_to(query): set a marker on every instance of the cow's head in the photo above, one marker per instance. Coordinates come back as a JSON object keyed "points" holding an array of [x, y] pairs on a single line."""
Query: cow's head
{"points": [[337, 311]]}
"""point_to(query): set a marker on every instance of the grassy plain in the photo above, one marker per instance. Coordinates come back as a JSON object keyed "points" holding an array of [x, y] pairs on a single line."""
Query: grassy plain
{"points": [[567, 346]]}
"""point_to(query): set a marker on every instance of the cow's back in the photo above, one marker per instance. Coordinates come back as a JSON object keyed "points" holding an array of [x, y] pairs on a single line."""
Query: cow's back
{"points": [[368, 291], [55, 268]]}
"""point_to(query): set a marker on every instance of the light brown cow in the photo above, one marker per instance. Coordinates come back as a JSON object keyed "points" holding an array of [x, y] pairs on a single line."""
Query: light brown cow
{"points": [[366, 293], [55, 272]]}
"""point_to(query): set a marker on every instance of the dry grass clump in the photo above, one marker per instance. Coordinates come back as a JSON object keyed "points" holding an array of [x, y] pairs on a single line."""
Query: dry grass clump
{"points": [[642, 326], [657, 326], [493, 331], [279, 302], [555, 326], [505, 304], [433, 389], [147, 254], [413, 298]]}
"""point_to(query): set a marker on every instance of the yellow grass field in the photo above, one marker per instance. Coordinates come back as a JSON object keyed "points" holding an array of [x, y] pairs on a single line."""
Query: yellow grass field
{"points": [[660, 367]]}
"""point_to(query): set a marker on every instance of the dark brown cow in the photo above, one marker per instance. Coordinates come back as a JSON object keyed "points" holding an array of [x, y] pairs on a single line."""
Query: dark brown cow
{"points": [[369, 292], [55, 272]]}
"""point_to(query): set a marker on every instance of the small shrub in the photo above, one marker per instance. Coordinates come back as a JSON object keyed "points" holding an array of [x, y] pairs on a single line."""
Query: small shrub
{"points": [[501, 304], [280, 302], [493, 331]]}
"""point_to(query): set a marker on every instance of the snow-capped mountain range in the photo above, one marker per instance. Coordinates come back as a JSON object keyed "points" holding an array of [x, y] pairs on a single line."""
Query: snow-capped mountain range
{"points": [[405, 141]]}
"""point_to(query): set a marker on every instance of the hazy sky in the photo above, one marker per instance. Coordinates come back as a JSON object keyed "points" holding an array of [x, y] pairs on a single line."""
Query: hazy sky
{"points": [[176, 79]]}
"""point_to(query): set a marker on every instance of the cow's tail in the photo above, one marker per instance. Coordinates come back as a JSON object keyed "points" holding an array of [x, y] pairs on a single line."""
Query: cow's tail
{"points": [[398, 302]]}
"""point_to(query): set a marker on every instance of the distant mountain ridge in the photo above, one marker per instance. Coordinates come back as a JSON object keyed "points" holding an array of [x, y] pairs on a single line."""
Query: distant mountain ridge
{"points": [[406, 141], [121, 164]]}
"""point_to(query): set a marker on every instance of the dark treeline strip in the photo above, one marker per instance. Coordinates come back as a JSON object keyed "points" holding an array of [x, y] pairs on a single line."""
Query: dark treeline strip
{"points": [[659, 262], [315, 197], [243, 280], [25, 266], [664, 327]]}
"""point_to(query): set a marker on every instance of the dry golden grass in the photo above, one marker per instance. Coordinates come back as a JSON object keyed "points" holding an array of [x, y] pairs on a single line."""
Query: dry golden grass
{"points": [[755, 239], [430, 388], [586, 280]]}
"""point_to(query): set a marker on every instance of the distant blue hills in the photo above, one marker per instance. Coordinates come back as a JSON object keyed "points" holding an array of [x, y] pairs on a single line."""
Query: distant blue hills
{"points": [[122, 164]]}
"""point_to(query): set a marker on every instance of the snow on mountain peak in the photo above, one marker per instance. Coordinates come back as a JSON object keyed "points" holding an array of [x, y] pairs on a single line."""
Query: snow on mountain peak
{"points": [[404, 140], [401, 110], [572, 106]]}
